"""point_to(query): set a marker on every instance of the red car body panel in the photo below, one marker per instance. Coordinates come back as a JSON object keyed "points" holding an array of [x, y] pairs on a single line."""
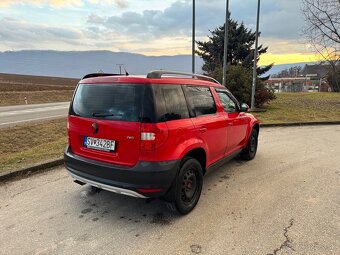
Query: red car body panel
{"points": [[127, 150]]}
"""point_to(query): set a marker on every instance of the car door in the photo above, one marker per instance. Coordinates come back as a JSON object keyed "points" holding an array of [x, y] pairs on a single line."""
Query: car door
{"points": [[172, 109], [210, 125], [237, 121]]}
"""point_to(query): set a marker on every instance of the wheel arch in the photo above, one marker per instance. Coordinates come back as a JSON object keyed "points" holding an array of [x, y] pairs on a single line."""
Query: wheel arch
{"points": [[257, 127], [252, 125], [199, 154]]}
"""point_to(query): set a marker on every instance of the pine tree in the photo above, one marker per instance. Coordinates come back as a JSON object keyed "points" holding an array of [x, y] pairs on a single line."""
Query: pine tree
{"points": [[240, 54]]}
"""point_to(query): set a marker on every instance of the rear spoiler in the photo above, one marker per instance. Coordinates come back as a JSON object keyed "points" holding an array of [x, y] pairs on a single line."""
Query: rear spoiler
{"points": [[93, 75]]}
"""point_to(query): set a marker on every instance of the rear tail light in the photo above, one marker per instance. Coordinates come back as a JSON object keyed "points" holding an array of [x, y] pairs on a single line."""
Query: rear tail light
{"points": [[153, 136], [68, 133], [148, 136]]}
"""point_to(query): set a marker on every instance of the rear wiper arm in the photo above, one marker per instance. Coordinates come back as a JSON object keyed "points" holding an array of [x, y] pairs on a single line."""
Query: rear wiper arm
{"points": [[98, 114]]}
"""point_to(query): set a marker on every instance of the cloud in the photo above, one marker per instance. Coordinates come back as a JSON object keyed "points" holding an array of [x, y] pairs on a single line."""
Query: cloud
{"points": [[122, 3], [149, 26], [279, 19], [23, 35], [64, 3], [173, 21], [280, 22], [52, 3]]}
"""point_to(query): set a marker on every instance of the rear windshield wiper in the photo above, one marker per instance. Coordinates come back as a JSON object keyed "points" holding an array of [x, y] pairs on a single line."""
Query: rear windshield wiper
{"points": [[99, 114]]}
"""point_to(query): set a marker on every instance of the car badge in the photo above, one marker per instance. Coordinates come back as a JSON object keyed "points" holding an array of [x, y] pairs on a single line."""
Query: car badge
{"points": [[95, 128]]}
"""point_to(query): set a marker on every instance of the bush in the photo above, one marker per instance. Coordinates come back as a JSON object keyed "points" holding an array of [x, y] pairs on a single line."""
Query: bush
{"points": [[239, 82], [263, 95]]}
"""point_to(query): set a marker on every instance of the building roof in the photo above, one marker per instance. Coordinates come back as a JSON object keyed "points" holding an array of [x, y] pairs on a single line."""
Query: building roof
{"points": [[320, 70]]}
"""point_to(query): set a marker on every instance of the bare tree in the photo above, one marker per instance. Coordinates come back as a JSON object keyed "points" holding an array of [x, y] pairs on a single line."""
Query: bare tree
{"points": [[294, 71], [323, 33]]}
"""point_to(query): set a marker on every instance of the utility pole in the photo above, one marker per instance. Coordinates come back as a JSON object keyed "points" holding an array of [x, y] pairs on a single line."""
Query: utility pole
{"points": [[226, 27], [193, 34], [255, 57], [120, 67]]}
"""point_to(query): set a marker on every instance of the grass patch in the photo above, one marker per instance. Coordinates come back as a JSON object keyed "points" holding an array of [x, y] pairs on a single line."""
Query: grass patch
{"points": [[302, 107], [37, 89], [26, 145], [36, 80], [35, 97], [9, 87]]}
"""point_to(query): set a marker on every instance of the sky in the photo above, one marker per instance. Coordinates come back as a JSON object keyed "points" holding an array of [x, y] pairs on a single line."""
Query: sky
{"points": [[149, 27]]}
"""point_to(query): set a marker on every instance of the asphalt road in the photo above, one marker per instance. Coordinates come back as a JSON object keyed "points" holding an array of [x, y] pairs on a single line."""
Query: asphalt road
{"points": [[285, 201], [20, 114]]}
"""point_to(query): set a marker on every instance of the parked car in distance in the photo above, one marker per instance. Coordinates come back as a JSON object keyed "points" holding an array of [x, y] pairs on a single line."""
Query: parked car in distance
{"points": [[155, 136]]}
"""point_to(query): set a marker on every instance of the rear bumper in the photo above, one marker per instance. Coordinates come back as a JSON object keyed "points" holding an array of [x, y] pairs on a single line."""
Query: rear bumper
{"points": [[154, 178]]}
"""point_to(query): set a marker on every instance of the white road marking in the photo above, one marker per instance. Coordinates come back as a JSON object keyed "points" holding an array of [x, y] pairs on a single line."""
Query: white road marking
{"points": [[28, 120]]}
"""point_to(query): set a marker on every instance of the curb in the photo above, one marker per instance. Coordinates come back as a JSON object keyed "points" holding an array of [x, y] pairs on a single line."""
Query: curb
{"points": [[31, 170], [297, 124]]}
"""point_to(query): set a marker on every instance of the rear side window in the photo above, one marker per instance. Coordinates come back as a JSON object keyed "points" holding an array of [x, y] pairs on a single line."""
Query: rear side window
{"points": [[170, 101], [201, 100], [108, 101]]}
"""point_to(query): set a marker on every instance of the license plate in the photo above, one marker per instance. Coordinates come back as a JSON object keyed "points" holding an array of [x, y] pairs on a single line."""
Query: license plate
{"points": [[99, 144]]}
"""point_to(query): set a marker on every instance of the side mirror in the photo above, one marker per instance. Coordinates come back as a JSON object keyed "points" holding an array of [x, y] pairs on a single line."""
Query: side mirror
{"points": [[244, 107]]}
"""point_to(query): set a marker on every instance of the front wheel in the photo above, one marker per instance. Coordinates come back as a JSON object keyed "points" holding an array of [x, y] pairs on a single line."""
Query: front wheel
{"points": [[249, 152], [188, 186]]}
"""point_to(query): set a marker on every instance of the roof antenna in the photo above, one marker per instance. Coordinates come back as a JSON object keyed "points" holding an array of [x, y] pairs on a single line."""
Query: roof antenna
{"points": [[126, 73]]}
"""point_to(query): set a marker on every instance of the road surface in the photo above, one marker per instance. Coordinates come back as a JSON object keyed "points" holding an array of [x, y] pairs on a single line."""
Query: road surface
{"points": [[285, 201], [20, 114]]}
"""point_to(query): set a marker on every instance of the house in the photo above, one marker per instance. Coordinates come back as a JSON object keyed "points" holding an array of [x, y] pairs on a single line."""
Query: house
{"points": [[318, 76], [313, 78]]}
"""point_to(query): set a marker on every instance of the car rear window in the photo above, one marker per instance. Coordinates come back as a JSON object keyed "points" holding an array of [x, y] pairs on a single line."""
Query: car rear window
{"points": [[109, 101]]}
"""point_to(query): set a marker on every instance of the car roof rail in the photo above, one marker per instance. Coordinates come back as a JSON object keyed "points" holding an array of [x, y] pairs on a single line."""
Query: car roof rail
{"points": [[157, 74], [93, 75]]}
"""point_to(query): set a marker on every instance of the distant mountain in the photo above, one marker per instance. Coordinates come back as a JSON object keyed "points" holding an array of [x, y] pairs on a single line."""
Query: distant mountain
{"points": [[75, 64]]}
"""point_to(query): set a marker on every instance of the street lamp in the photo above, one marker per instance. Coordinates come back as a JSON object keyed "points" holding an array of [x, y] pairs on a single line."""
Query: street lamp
{"points": [[255, 57], [193, 35], [225, 44]]}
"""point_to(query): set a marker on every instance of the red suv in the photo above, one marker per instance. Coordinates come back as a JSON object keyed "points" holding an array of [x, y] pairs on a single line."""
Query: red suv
{"points": [[155, 136]]}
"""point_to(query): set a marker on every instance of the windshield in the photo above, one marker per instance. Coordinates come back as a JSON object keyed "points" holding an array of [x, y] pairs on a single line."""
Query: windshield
{"points": [[108, 101]]}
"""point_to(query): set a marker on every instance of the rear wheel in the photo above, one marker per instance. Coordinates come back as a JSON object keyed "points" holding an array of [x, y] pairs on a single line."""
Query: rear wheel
{"points": [[188, 186], [249, 152]]}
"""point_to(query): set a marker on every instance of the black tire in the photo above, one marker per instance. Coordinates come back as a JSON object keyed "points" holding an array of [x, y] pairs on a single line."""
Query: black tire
{"points": [[249, 152], [187, 187]]}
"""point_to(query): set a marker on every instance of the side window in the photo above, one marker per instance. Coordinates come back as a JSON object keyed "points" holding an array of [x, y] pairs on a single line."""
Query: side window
{"points": [[227, 103], [201, 100], [175, 104]]}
